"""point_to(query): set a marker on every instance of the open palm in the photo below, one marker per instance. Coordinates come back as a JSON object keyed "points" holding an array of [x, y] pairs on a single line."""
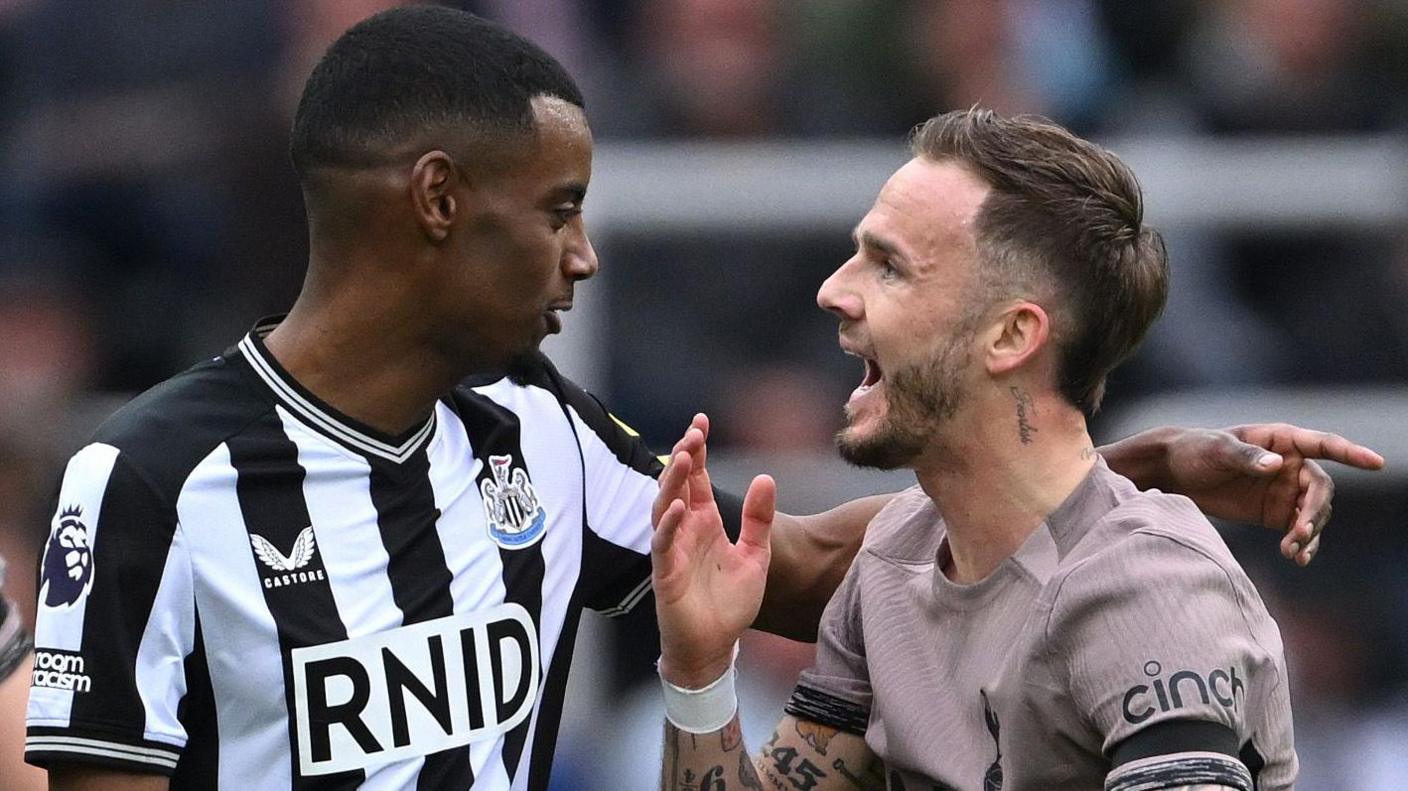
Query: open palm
{"points": [[707, 589]]}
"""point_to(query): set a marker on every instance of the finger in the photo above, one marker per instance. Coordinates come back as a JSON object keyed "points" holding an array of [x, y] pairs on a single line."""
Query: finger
{"points": [[1333, 447], [701, 422], [1317, 494], [1308, 554], [759, 509], [1247, 458], [701, 488], [674, 485], [664, 539], [689, 443]]}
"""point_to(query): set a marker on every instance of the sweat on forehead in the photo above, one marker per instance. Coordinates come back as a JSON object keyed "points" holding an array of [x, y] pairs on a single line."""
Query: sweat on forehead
{"points": [[406, 71]]}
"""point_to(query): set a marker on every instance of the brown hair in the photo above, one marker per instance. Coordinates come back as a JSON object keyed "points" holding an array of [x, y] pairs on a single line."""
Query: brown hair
{"points": [[1064, 215]]}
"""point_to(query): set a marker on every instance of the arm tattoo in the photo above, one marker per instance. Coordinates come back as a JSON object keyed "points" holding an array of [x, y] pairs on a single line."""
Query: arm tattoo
{"points": [[705, 762], [731, 736], [1025, 429], [799, 770], [815, 734], [855, 780]]}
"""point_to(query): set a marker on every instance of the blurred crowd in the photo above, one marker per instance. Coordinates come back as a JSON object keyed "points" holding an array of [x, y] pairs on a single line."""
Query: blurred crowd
{"points": [[148, 215]]}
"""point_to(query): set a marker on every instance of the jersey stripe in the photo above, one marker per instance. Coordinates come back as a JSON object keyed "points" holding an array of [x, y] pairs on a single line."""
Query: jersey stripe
{"points": [[496, 432], [62, 627], [127, 572], [241, 648], [200, 763], [420, 578], [472, 558], [270, 490]]}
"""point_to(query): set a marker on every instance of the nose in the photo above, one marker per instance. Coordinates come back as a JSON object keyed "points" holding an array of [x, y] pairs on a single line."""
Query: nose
{"points": [[579, 260], [836, 295]]}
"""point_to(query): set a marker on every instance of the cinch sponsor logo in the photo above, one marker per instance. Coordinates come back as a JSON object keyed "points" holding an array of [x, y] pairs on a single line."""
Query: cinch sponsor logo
{"points": [[1167, 694], [60, 670], [415, 690]]}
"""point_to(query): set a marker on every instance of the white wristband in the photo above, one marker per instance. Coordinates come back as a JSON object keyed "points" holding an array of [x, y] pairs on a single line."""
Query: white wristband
{"points": [[703, 710]]}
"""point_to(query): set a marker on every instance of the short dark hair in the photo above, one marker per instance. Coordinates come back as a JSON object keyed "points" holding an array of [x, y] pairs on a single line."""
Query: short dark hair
{"points": [[414, 68], [1071, 214]]}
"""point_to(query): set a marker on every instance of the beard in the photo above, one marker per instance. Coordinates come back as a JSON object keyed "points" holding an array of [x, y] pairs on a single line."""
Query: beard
{"points": [[919, 400], [525, 367]]}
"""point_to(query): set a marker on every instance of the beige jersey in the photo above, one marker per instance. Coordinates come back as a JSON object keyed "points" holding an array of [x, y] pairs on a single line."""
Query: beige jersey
{"points": [[1120, 640]]}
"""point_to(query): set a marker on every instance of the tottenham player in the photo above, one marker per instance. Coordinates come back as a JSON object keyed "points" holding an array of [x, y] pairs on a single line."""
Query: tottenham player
{"points": [[1024, 618], [316, 561]]}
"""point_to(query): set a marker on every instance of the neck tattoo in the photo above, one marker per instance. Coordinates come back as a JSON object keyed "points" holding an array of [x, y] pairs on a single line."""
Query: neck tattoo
{"points": [[1025, 429]]}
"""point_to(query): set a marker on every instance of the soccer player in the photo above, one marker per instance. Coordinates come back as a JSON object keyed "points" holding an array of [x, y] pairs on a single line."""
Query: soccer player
{"points": [[317, 560], [1024, 618]]}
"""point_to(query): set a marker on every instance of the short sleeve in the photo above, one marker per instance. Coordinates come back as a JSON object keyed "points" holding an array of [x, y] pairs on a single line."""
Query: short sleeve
{"points": [[1161, 650], [621, 476], [115, 623], [836, 691]]}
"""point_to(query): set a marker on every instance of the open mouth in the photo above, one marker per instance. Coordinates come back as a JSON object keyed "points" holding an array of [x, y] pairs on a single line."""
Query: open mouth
{"points": [[873, 375]]}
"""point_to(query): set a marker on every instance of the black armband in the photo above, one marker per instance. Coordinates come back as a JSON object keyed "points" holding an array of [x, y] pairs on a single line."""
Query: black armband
{"points": [[826, 709]]}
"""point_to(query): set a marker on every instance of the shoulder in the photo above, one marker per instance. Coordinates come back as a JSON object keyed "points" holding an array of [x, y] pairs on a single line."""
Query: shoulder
{"points": [[540, 396], [907, 530], [1154, 569], [1149, 538], [164, 432]]}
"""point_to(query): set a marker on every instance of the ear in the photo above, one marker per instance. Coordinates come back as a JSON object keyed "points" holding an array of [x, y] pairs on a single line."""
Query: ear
{"points": [[434, 178], [1017, 336]]}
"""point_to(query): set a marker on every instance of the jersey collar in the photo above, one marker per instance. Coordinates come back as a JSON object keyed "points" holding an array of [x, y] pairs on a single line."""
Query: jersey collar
{"points": [[320, 416]]}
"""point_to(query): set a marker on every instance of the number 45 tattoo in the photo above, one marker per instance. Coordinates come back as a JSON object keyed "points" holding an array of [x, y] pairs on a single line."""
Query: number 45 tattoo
{"points": [[803, 774]]}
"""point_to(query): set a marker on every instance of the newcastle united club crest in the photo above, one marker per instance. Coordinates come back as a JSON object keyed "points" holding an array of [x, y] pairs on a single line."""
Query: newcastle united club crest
{"points": [[515, 517]]}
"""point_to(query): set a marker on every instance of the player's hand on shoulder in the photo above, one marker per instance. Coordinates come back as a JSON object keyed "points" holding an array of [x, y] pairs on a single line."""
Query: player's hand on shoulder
{"points": [[707, 589], [1266, 474]]}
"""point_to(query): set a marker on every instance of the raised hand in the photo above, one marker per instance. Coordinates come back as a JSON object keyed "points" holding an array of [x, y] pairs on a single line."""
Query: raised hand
{"points": [[1265, 474], [707, 590]]}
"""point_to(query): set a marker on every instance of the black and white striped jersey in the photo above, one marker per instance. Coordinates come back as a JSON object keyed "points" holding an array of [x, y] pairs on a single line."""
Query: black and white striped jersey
{"points": [[244, 588]]}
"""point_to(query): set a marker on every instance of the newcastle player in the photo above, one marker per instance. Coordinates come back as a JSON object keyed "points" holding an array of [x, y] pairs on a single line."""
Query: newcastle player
{"points": [[1025, 618], [318, 560]]}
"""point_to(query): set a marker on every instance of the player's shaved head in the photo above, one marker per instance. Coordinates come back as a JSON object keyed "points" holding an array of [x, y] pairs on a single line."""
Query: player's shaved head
{"points": [[420, 76]]}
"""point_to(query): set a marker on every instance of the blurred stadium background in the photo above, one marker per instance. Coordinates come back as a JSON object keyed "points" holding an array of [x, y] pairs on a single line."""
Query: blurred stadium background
{"points": [[148, 216]]}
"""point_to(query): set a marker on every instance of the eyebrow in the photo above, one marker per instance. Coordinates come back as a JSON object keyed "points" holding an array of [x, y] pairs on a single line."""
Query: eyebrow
{"points": [[869, 239], [576, 192]]}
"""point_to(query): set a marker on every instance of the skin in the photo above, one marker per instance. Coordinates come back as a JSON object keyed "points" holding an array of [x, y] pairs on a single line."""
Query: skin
{"points": [[14, 696], [1011, 449], [451, 269], [992, 441]]}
